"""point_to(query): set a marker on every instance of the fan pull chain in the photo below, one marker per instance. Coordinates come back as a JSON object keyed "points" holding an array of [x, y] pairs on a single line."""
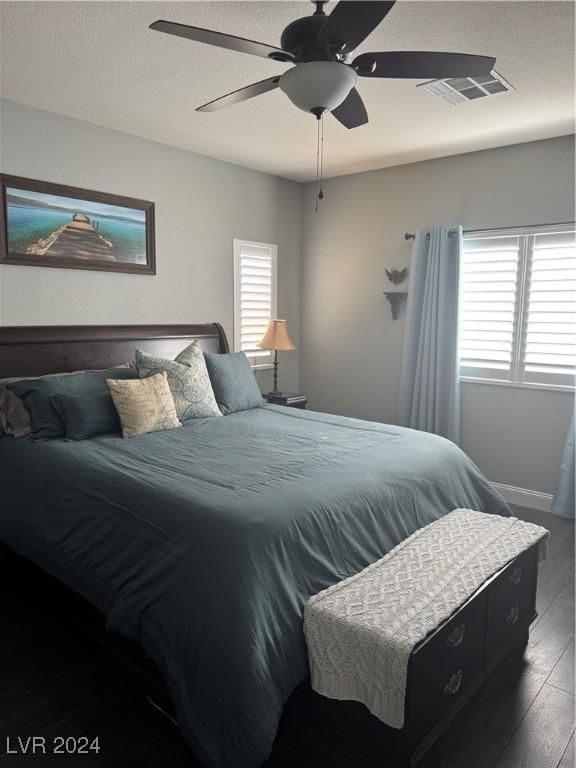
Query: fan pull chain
{"points": [[321, 193], [319, 160]]}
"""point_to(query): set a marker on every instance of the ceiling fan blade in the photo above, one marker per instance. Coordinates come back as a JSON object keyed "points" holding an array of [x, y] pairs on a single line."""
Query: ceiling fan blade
{"points": [[222, 40], [242, 94], [351, 22], [422, 65], [352, 112]]}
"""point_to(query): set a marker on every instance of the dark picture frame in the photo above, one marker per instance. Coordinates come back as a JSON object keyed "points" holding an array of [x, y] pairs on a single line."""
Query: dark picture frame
{"points": [[95, 236]]}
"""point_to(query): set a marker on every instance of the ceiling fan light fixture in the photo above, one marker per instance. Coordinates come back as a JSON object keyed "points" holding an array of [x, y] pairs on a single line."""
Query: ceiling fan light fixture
{"points": [[318, 85]]}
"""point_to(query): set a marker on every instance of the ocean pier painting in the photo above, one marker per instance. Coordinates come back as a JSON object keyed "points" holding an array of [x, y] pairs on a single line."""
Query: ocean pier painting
{"points": [[55, 226], [78, 239]]}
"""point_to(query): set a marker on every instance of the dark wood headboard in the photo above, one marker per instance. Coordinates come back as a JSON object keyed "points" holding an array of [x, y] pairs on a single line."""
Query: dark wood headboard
{"points": [[38, 350]]}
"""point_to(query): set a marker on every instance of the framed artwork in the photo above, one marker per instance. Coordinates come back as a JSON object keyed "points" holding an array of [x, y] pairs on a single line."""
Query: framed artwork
{"points": [[51, 225]]}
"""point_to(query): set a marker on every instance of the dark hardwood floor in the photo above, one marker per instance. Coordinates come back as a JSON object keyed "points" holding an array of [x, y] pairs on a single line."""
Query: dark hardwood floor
{"points": [[56, 681]]}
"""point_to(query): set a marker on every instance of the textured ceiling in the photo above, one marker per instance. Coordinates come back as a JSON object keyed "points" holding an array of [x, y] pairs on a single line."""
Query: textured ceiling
{"points": [[99, 62]]}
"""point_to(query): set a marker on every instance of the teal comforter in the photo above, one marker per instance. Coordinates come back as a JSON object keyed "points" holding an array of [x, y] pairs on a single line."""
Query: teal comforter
{"points": [[203, 543]]}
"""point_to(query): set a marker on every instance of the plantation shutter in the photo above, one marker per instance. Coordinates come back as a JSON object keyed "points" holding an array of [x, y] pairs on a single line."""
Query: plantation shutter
{"points": [[550, 336], [488, 288], [254, 296], [518, 305]]}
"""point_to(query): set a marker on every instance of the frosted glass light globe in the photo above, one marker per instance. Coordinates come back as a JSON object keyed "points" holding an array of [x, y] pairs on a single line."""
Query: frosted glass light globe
{"points": [[318, 84]]}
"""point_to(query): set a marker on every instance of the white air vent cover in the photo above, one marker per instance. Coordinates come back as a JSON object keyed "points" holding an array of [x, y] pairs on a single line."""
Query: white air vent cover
{"points": [[456, 90]]}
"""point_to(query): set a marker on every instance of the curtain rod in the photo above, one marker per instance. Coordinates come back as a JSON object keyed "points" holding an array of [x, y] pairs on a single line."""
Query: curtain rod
{"points": [[412, 235]]}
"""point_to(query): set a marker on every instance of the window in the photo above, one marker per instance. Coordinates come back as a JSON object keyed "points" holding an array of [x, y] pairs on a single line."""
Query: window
{"points": [[518, 306], [254, 297]]}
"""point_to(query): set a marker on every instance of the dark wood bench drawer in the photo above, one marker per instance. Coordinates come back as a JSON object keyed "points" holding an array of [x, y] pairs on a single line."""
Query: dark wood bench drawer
{"points": [[444, 665], [509, 600], [449, 666]]}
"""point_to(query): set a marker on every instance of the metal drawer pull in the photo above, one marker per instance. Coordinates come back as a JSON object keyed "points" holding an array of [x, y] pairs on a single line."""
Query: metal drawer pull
{"points": [[516, 575], [456, 637], [512, 617], [453, 685]]}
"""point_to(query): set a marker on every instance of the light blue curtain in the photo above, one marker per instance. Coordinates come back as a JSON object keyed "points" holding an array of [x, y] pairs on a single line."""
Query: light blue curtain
{"points": [[429, 382], [563, 502]]}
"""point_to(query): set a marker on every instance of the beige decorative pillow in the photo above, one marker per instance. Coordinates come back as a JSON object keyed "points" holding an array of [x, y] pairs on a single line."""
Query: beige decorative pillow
{"points": [[144, 405]]}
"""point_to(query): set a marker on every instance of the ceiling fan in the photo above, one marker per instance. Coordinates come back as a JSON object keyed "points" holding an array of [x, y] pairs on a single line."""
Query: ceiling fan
{"points": [[319, 46]]}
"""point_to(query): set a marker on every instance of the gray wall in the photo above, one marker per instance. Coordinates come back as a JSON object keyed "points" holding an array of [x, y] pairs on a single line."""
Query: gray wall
{"points": [[351, 347], [201, 205]]}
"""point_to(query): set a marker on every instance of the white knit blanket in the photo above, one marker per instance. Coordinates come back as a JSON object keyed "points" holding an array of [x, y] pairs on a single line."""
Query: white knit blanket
{"points": [[360, 632]]}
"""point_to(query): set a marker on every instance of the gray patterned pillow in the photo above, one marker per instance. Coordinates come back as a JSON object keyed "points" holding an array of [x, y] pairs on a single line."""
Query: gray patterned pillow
{"points": [[188, 380], [14, 418]]}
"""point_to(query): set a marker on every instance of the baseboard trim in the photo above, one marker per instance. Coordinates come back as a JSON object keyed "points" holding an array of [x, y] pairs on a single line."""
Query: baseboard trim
{"points": [[525, 497]]}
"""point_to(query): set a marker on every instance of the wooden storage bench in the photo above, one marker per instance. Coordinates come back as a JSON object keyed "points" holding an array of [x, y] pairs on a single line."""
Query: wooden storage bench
{"points": [[453, 662], [445, 670]]}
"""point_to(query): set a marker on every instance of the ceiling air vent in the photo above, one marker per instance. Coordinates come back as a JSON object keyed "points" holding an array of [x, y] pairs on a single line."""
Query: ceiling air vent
{"points": [[456, 90]]}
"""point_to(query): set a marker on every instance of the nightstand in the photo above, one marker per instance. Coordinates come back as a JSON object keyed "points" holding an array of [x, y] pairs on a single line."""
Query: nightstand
{"points": [[289, 399]]}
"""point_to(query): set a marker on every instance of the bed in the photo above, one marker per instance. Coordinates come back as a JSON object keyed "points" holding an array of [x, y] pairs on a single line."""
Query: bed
{"points": [[202, 544]]}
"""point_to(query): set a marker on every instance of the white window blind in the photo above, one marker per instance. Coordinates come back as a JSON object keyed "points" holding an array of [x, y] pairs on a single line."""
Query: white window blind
{"points": [[254, 296], [487, 302], [518, 306], [550, 339]]}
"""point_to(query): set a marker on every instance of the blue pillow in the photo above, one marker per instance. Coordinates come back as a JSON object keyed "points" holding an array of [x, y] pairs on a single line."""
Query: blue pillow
{"points": [[36, 394], [87, 415], [233, 381]]}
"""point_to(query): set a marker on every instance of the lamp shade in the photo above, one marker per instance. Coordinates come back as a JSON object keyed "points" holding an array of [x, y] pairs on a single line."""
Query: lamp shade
{"points": [[276, 337]]}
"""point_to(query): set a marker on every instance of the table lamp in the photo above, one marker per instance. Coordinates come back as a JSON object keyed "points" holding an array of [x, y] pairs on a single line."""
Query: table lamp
{"points": [[276, 338]]}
